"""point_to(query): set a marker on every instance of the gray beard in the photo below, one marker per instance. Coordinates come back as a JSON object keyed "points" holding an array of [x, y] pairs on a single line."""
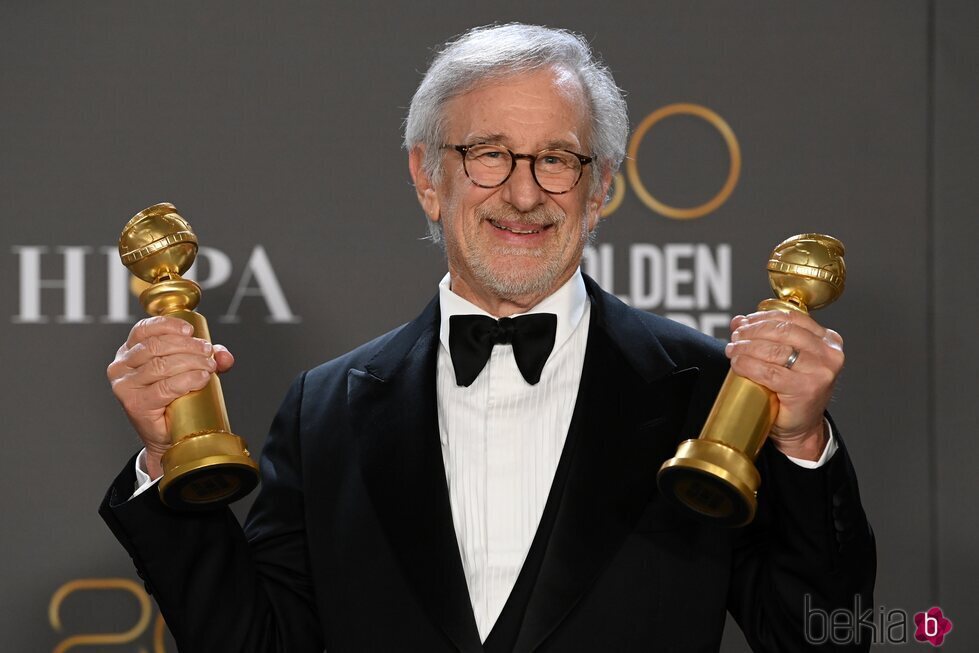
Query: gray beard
{"points": [[512, 284]]}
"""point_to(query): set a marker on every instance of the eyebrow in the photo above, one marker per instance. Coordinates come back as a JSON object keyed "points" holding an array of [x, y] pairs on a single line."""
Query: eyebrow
{"points": [[501, 139], [495, 139]]}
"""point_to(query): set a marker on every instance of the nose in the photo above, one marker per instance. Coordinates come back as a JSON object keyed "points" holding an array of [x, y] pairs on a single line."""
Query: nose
{"points": [[521, 191]]}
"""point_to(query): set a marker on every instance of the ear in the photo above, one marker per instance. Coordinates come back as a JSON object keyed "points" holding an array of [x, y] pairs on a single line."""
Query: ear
{"points": [[424, 188], [597, 199]]}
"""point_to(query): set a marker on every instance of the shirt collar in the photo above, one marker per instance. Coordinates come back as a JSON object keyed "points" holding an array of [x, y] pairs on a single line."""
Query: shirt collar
{"points": [[567, 302]]}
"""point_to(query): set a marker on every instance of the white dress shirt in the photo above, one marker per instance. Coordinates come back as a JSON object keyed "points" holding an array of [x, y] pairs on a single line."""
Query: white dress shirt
{"points": [[501, 442]]}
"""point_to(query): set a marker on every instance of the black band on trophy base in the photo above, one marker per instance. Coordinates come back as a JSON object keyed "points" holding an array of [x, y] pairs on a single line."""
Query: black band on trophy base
{"points": [[207, 471], [717, 483]]}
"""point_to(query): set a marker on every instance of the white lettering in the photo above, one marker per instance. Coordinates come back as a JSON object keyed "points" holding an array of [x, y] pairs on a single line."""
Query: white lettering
{"points": [[258, 279], [675, 275], [267, 288], [681, 279], [713, 277], [645, 276], [31, 284]]}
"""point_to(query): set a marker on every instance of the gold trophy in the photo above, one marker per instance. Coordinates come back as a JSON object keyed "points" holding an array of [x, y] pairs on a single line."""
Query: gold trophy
{"points": [[207, 465], [715, 475]]}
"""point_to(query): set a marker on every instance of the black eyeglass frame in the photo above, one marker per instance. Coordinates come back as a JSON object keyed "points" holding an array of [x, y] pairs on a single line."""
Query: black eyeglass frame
{"points": [[514, 157]]}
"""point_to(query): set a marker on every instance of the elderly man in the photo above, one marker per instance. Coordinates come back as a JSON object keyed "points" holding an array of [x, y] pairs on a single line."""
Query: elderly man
{"points": [[483, 477]]}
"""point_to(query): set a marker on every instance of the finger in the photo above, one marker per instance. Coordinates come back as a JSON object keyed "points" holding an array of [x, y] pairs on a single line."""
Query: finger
{"points": [[780, 332], [164, 367], [223, 358], [142, 352], [157, 326], [792, 317], [776, 378], [826, 352], [162, 393], [813, 380], [774, 353]]}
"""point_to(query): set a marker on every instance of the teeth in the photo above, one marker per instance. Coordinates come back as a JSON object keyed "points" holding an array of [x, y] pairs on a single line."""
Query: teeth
{"points": [[514, 231]]}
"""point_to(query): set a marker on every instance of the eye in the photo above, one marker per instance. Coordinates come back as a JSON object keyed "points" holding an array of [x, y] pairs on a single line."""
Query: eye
{"points": [[555, 161], [489, 155]]}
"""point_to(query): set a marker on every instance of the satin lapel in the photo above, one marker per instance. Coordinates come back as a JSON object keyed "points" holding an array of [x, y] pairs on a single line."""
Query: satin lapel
{"points": [[624, 426], [393, 408]]}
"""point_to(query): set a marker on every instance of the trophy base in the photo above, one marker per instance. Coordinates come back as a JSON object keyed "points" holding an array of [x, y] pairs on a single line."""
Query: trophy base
{"points": [[713, 480], [206, 471]]}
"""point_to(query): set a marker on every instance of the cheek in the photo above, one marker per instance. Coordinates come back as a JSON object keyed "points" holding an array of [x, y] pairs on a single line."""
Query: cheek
{"points": [[581, 218], [451, 208]]}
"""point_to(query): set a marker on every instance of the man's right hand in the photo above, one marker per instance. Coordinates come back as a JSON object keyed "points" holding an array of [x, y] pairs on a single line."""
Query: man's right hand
{"points": [[159, 362]]}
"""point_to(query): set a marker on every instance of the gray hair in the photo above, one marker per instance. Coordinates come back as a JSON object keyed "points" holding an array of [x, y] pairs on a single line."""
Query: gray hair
{"points": [[498, 51]]}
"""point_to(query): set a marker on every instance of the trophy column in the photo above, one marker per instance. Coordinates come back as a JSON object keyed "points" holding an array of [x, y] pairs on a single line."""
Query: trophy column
{"points": [[715, 475], [207, 465]]}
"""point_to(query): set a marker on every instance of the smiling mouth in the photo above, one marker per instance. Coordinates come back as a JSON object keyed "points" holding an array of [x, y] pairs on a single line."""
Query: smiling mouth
{"points": [[522, 232]]}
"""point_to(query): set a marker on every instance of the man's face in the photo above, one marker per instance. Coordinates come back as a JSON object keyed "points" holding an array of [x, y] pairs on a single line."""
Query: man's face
{"points": [[515, 242]]}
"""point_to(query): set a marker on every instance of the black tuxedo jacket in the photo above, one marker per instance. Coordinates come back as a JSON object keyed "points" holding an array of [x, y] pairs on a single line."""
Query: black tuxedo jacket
{"points": [[350, 544]]}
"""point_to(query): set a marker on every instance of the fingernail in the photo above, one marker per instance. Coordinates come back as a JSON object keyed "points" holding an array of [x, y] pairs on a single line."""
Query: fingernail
{"points": [[211, 364], [728, 348], [208, 348], [186, 329]]}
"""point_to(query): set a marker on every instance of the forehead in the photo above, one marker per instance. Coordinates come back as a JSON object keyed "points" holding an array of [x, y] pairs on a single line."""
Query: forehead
{"points": [[536, 109]]}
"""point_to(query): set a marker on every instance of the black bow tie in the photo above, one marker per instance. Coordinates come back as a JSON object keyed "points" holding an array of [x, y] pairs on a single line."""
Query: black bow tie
{"points": [[472, 338]]}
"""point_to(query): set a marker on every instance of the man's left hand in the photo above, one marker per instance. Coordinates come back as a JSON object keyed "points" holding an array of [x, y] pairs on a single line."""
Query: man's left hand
{"points": [[761, 346]]}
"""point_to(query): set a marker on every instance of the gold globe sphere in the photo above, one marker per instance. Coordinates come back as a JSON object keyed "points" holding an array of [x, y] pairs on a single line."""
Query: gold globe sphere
{"points": [[808, 270], [157, 243]]}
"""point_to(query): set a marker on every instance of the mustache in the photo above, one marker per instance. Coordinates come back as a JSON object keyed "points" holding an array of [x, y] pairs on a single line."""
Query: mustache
{"points": [[540, 216]]}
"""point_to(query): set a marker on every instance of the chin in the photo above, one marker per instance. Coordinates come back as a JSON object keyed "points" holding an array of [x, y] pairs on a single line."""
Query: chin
{"points": [[518, 276]]}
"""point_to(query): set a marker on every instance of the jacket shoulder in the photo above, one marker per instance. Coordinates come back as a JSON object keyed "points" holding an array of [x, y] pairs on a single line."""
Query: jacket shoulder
{"points": [[645, 334], [686, 346], [355, 359]]}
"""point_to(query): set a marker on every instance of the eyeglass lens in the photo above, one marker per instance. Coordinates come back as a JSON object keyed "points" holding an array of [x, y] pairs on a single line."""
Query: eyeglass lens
{"points": [[556, 171]]}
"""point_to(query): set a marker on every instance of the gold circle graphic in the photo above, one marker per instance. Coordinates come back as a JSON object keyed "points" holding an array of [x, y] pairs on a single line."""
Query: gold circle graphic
{"points": [[734, 168], [54, 612]]}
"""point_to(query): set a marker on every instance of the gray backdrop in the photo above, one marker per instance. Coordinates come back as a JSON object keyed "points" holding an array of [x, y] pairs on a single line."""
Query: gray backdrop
{"points": [[275, 129]]}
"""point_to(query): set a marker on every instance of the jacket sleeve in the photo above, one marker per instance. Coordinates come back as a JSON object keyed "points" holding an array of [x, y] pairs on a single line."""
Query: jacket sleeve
{"points": [[809, 551], [218, 589]]}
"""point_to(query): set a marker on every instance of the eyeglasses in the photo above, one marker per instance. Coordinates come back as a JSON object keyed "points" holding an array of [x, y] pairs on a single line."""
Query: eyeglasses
{"points": [[489, 166]]}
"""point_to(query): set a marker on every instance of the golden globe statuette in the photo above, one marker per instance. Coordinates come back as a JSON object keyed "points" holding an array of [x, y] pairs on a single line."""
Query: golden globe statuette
{"points": [[715, 475], [206, 465]]}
